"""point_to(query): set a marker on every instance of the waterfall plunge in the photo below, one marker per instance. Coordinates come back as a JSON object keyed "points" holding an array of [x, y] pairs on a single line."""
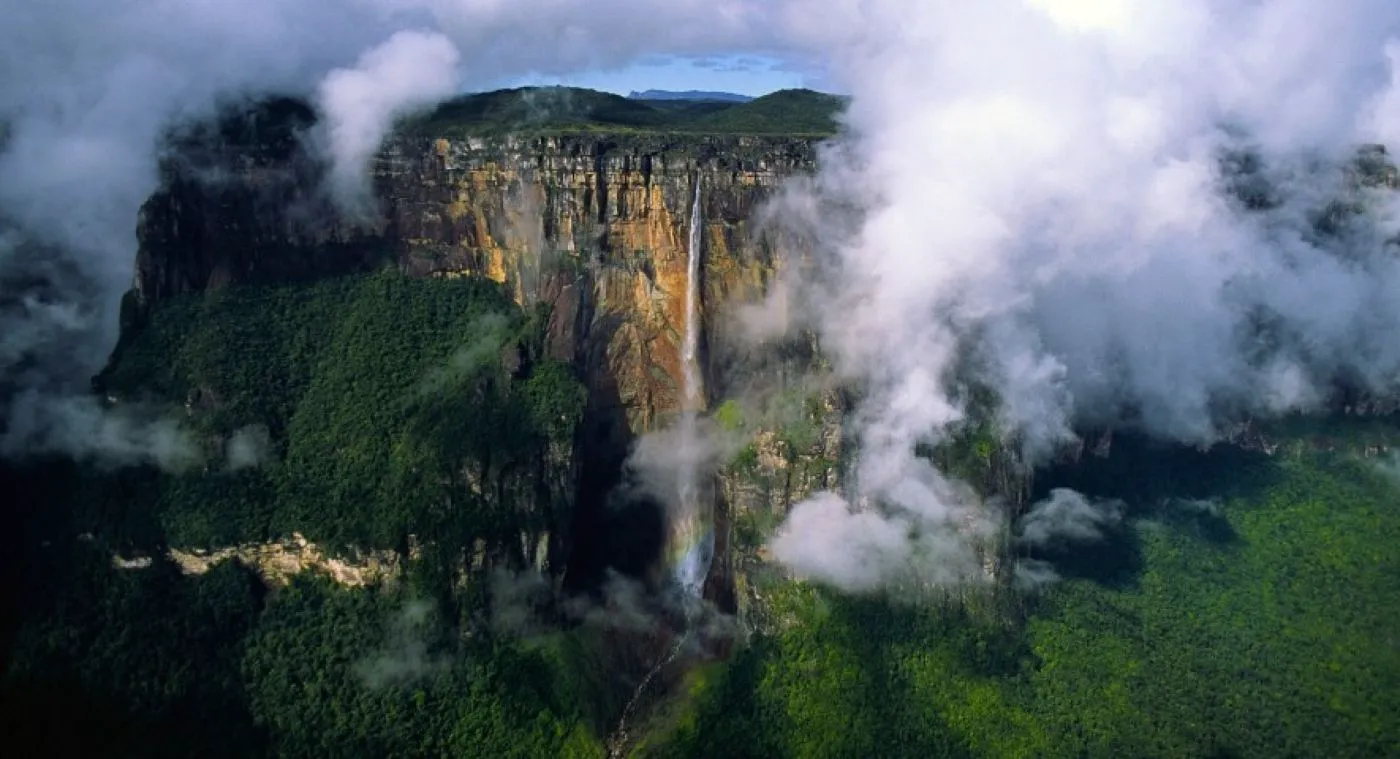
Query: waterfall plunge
{"points": [[692, 527]]}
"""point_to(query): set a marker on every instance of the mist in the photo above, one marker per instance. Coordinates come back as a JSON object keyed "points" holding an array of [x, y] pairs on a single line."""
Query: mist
{"points": [[404, 657], [1067, 516], [409, 71], [1034, 197], [248, 447]]}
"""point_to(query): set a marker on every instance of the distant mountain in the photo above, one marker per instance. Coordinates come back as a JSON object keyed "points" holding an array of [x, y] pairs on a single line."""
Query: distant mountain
{"points": [[726, 97]]}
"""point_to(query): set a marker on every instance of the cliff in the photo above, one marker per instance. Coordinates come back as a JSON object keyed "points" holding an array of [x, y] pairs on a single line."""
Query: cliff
{"points": [[592, 227], [587, 230]]}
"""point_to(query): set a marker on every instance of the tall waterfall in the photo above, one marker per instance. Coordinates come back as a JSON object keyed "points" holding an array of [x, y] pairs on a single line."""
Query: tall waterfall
{"points": [[691, 545], [691, 382], [692, 529]]}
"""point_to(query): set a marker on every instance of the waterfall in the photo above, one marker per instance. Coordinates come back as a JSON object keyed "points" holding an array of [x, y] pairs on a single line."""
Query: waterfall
{"points": [[692, 530], [691, 382]]}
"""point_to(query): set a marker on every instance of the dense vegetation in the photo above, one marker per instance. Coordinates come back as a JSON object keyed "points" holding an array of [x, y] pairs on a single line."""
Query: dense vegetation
{"points": [[381, 407], [379, 395], [1257, 624], [554, 109], [1247, 610], [152, 663]]}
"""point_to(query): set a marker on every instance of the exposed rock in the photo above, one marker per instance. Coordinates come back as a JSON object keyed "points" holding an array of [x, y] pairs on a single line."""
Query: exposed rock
{"points": [[139, 562], [593, 227], [277, 563], [774, 472]]}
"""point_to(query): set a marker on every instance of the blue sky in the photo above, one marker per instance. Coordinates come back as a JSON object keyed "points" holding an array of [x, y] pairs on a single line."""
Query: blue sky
{"points": [[744, 74]]}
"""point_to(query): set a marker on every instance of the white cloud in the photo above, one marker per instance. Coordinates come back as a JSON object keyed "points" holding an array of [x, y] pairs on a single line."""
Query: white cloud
{"points": [[1039, 187], [248, 447], [1068, 516], [411, 70]]}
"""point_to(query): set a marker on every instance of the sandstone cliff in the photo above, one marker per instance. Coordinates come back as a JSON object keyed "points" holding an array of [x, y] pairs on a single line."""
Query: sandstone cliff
{"points": [[593, 227], [590, 230]]}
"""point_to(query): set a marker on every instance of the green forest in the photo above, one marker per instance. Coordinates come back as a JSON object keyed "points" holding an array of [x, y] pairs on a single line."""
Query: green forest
{"points": [[377, 397], [1262, 625], [1245, 609], [379, 393]]}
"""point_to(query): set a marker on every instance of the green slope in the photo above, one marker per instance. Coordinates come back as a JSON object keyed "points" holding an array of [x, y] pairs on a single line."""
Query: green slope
{"points": [[152, 663], [378, 391], [1261, 626], [533, 108], [375, 389]]}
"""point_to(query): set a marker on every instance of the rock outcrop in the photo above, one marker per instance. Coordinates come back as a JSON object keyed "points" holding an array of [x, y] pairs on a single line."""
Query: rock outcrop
{"points": [[278, 562]]}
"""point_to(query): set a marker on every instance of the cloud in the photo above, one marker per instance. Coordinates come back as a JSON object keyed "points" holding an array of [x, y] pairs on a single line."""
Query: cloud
{"points": [[80, 426], [865, 549], [1068, 517], [248, 447], [1196, 507], [410, 70], [626, 606], [1066, 521], [520, 602], [1033, 194], [528, 603], [1389, 466], [659, 459], [675, 467], [489, 333], [1031, 575], [854, 550], [404, 657]]}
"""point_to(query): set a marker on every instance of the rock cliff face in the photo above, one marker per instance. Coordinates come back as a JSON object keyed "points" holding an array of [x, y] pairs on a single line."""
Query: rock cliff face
{"points": [[593, 227], [596, 228], [590, 229]]}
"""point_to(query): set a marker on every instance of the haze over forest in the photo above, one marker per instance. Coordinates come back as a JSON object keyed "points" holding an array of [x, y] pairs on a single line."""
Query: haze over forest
{"points": [[1034, 397]]}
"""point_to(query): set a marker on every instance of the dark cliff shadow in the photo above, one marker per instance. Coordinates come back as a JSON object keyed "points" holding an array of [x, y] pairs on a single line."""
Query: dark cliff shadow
{"points": [[1114, 560], [244, 200], [610, 529], [81, 662], [719, 587], [1180, 486], [1145, 474]]}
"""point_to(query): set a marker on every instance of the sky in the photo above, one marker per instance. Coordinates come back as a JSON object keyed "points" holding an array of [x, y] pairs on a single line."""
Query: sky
{"points": [[752, 75]]}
